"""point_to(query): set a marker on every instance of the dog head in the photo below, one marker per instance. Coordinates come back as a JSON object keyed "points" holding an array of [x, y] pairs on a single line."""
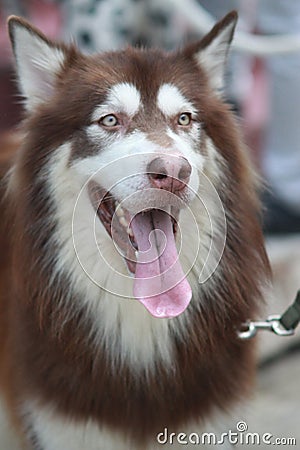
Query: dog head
{"points": [[135, 136]]}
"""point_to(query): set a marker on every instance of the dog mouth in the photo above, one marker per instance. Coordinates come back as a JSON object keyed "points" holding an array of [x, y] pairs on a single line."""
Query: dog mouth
{"points": [[146, 242]]}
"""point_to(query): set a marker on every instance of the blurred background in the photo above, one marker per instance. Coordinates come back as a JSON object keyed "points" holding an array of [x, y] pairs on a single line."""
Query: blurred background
{"points": [[263, 86]]}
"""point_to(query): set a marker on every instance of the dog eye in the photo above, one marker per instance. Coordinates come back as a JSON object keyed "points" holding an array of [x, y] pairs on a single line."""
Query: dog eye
{"points": [[109, 121], [184, 119]]}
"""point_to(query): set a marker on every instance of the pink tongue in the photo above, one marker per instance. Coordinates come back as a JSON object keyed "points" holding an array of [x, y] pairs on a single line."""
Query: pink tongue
{"points": [[159, 283]]}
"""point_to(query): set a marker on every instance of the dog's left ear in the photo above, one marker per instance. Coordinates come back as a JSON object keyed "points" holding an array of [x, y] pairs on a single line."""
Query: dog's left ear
{"points": [[39, 61], [212, 51]]}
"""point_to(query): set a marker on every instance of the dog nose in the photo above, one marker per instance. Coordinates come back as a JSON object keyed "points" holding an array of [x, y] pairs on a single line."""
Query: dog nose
{"points": [[169, 172]]}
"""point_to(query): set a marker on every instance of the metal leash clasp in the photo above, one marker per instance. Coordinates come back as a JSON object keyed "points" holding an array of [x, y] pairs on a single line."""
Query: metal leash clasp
{"points": [[283, 325], [272, 323]]}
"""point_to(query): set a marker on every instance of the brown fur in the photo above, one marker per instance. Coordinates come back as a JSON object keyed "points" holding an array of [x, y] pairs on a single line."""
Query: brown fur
{"points": [[213, 368]]}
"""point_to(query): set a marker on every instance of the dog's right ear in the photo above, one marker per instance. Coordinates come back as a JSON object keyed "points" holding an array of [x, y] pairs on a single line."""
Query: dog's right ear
{"points": [[38, 61]]}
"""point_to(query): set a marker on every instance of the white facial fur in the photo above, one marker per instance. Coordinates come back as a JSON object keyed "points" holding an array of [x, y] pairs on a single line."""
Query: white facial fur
{"points": [[171, 102], [103, 307], [122, 97], [80, 235]]}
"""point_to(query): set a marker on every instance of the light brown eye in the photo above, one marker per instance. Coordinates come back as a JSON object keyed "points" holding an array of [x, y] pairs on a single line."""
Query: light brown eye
{"points": [[184, 119], [109, 121]]}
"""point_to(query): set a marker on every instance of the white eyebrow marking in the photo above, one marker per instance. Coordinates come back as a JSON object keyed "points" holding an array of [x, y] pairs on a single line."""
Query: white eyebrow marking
{"points": [[122, 97], [125, 97], [171, 101]]}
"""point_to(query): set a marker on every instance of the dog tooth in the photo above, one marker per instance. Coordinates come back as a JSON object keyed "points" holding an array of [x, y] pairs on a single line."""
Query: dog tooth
{"points": [[120, 211], [123, 221], [129, 231]]}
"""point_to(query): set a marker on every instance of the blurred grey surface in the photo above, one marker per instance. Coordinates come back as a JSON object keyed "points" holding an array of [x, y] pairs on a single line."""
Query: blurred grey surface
{"points": [[275, 407]]}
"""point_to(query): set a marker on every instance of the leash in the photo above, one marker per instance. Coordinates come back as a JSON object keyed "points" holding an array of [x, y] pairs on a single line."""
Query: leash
{"points": [[283, 325]]}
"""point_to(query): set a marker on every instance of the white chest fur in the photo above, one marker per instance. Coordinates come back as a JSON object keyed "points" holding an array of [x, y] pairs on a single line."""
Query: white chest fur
{"points": [[54, 432]]}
